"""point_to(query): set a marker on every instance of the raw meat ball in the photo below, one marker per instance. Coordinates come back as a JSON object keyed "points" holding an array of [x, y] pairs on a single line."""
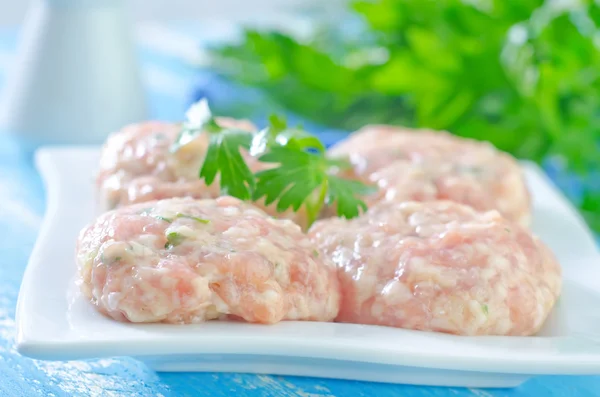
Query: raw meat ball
{"points": [[376, 146], [440, 266], [477, 187], [458, 167], [186, 261], [137, 165]]}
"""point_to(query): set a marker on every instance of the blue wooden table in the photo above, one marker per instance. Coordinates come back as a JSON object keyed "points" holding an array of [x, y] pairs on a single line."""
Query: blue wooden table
{"points": [[21, 209]]}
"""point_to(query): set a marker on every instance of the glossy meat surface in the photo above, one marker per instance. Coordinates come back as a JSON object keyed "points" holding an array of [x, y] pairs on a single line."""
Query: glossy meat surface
{"points": [[440, 266], [429, 165], [187, 261]]}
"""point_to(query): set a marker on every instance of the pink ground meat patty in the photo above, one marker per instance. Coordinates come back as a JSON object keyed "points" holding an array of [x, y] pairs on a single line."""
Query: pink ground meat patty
{"points": [[137, 165], [403, 180], [440, 266], [435, 165], [186, 261]]}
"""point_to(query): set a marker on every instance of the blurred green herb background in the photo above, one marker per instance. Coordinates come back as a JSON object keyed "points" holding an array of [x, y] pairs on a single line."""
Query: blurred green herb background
{"points": [[522, 74]]}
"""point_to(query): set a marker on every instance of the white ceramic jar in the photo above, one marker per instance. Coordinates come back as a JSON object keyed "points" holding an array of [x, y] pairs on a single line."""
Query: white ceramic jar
{"points": [[76, 77]]}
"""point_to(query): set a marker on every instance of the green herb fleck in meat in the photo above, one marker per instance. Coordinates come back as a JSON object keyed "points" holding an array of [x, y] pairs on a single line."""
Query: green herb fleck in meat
{"points": [[174, 239], [186, 216]]}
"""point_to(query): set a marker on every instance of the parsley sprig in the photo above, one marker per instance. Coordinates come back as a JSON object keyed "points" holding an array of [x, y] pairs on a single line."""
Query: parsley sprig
{"points": [[303, 175], [223, 155], [301, 172]]}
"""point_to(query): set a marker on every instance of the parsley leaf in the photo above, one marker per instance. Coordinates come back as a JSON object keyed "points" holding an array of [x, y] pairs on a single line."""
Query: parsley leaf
{"points": [[302, 177], [223, 155], [344, 193], [297, 176], [278, 134]]}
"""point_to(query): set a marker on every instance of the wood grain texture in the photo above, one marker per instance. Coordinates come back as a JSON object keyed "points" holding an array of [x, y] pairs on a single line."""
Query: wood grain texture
{"points": [[21, 209]]}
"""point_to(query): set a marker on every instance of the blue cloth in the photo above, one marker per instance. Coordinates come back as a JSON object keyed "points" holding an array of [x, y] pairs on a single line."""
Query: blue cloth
{"points": [[22, 205]]}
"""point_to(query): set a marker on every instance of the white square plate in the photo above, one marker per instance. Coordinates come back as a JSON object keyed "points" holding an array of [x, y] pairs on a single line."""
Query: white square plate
{"points": [[56, 323]]}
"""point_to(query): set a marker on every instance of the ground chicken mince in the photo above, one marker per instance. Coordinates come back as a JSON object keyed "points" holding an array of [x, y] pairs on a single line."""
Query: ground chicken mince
{"points": [[436, 165], [137, 165], [186, 261], [440, 266]]}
